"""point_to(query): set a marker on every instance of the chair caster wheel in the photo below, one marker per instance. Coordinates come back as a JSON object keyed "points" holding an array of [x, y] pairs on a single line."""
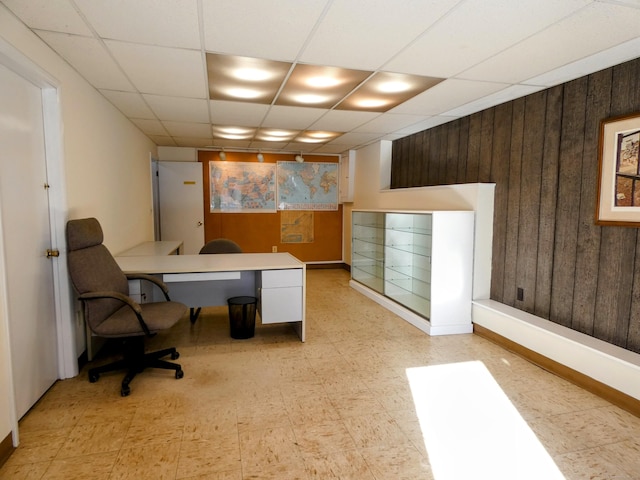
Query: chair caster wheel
{"points": [[125, 391], [93, 377], [179, 374], [175, 356]]}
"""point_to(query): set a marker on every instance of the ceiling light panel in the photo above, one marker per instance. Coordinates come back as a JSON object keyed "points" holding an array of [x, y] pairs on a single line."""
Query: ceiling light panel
{"points": [[276, 135], [316, 136], [244, 79], [318, 86], [386, 90], [232, 132]]}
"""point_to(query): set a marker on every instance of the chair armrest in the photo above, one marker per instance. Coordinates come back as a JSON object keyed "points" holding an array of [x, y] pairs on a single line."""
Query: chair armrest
{"points": [[124, 299], [150, 278]]}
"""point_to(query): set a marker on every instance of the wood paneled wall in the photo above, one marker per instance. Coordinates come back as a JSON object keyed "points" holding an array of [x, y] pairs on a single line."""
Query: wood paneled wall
{"points": [[541, 151], [259, 232]]}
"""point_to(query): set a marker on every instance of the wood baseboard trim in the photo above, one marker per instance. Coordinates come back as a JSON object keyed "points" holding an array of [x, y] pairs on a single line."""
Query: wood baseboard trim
{"points": [[319, 266], [6, 448], [616, 397]]}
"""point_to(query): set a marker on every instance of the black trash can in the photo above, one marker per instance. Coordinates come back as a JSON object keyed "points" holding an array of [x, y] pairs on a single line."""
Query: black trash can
{"points": [[242, 316]]}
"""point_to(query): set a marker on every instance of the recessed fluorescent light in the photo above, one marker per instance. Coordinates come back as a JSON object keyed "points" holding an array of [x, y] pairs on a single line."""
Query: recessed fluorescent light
{"points": [[394, 87], [310, 98], [245, 93], [252, 74], [371, 103], [323, 82]]}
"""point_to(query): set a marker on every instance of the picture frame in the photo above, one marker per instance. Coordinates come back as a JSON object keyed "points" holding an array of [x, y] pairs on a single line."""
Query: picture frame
{"points": [[618, 198]]}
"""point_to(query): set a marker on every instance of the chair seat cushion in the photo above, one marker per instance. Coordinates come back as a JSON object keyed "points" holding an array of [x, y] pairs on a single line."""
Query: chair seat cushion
{"points": [[157, 316]]}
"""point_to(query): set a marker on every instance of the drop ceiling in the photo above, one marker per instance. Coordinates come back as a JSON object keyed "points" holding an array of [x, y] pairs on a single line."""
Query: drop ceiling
{"points": [[149, 59]]}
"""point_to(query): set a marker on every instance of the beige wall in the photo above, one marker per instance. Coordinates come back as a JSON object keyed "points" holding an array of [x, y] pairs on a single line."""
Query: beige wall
{"points": [[106, 168]]}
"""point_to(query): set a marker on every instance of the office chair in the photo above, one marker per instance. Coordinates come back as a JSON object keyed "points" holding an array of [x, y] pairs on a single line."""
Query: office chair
{"points": [[109, 311], [219, 245]]}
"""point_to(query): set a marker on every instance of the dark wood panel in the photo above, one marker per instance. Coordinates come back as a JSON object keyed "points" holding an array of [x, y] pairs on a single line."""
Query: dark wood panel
{"points": [[548, 201], [513, 208], [500, 176], [541, 152], [568, 207], [473, 156], [463, 151], [435, 152], [396, 165], [416, 160], [424, 171], [617, 253], [633, 336], [453, 155], [588, 248], [530, 186], [486, 145]]}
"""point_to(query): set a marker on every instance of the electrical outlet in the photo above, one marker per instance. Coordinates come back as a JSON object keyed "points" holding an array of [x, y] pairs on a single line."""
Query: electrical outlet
{"points": [[274, 249], [520, 294]]}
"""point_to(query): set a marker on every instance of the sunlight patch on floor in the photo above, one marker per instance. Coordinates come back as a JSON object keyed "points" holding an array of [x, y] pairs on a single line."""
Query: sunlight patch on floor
{"points": [[472, 430]]}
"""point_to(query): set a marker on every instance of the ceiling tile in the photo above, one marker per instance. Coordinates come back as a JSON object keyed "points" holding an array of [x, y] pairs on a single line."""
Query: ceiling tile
{"points": [[289, 23], [389, 122], [160, 70], [449, 94], [294, 118], [131, 104], [90, 59], [353, 138], [343, 120], [59, 16], [192, 142], [179, 109], [239, 114], [593, 29], [163, 141], [469, 35], [509, 93], [188, 129], [347, 38], [593, 63], [152, 22], [150, 127], [268, 146], [426, 124]]}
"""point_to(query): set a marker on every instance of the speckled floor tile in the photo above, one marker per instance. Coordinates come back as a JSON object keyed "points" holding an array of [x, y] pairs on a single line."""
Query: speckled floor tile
{"points": [[337, 407]]}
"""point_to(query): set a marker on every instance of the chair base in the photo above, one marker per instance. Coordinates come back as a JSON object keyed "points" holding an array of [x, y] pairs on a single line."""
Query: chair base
{"points": [[135, 361]]}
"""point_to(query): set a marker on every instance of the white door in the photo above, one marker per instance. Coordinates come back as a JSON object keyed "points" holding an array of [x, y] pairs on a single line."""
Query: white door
{"points": [[24, 206], [181, 204]]}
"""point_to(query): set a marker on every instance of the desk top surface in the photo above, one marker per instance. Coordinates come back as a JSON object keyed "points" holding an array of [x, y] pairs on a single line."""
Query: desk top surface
{"points": [[226, 262], [166, 247]]}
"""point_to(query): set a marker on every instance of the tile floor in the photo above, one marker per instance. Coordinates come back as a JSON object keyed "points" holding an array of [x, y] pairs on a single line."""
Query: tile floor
{"points": [[336, 407]]}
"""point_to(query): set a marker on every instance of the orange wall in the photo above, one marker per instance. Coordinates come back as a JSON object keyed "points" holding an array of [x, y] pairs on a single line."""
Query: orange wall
{"points": [[259, 232]]}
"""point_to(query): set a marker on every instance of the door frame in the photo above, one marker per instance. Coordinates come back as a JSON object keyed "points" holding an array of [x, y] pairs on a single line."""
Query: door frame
{"points": [[54, 160]]}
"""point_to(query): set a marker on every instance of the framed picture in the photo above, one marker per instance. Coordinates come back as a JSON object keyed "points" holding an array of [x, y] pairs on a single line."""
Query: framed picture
{"points": [[618, 200]]}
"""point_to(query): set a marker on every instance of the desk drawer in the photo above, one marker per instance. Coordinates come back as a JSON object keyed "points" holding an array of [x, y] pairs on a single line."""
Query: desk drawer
{"points": [[282, 278], [278, 305]]}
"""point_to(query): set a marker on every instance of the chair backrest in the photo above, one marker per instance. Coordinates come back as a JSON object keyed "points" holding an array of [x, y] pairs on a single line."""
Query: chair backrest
{"points": [[221, 245], [93, 269]]}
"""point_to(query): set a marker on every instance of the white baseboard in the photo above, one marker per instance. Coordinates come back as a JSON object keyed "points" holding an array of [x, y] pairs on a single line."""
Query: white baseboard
{"points": [[611, 365]]}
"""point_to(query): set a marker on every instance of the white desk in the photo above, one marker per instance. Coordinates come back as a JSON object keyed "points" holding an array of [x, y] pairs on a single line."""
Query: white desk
{"points": [[166, 247], [278, 280]]}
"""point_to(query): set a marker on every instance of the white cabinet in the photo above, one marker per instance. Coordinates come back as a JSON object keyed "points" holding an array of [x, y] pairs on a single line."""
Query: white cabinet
{"points": [[280, 294], [417, 264]]}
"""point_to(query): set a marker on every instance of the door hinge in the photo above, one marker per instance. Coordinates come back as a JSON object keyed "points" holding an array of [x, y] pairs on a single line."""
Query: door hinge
{"points": [[53, 253], [47, 186]]}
